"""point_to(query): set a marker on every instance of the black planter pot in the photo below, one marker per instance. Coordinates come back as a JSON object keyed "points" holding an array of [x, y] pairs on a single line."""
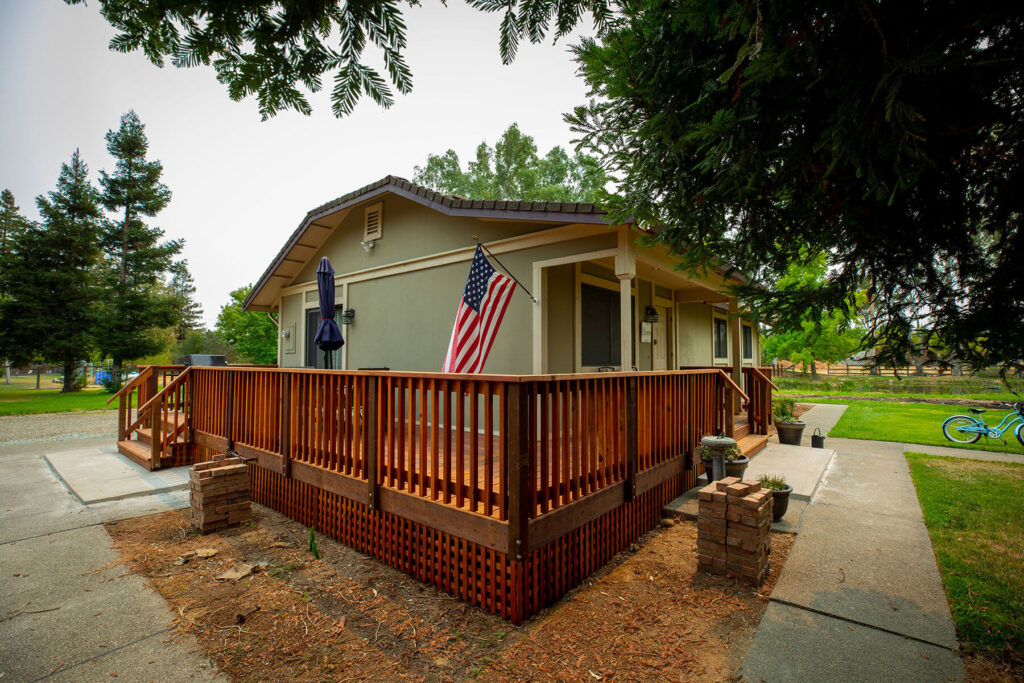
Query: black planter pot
{"points": [[737, 467], [780, 502], [790, 432]]}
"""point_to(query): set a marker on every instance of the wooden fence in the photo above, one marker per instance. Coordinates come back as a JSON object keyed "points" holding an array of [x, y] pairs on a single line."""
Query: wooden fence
{"points": [[505, 491]]}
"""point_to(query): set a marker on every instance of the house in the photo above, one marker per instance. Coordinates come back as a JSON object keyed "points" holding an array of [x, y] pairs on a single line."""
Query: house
{"points": [[401, 254], [505, 489]]}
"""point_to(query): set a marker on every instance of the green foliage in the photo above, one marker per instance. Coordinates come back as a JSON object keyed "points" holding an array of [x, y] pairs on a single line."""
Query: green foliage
{"points": [[731, 455], [976, 522], [782, 409], [313, 547], [136, 303], [187, 310], [204, 342], [49, 278], [252, 334], [512, 170], [816, 335], [887, 136], [12, 225], [279, 51], [775, 482]]}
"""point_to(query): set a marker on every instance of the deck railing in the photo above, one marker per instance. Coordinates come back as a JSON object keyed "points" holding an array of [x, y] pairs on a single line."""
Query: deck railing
{"points": [[758, 385], [136, 393], [514, 465]]}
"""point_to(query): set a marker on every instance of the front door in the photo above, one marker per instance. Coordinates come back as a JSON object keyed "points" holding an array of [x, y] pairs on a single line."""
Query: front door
{"points": [[659, 340]]}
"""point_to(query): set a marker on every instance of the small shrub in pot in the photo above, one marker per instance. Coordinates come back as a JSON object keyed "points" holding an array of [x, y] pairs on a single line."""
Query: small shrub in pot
{"points": [[791, 430], [780, 494]]}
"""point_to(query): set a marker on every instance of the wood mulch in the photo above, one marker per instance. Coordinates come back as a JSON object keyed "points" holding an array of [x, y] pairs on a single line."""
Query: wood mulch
{"points": [[648, 614]]}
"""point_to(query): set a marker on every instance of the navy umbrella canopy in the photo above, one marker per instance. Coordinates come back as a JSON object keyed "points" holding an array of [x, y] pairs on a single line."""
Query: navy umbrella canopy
{"points": [[328, 335]]}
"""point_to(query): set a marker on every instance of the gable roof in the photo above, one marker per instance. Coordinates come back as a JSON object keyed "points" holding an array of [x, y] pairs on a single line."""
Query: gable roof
{"points": [[541, 212]]}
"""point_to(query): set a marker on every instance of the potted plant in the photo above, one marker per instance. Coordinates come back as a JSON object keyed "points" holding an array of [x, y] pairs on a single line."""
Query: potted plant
{"points": [[780, 494], [791, 430], [735, 462]]}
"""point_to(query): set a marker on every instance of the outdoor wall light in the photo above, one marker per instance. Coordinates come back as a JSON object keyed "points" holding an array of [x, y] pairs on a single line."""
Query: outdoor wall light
{"points": [[651, 314], [286, 333], [348, 316], [368, 245]]}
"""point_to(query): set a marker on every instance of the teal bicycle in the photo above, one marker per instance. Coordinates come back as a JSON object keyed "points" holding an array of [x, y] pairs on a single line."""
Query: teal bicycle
{"points": [[970, 428]]}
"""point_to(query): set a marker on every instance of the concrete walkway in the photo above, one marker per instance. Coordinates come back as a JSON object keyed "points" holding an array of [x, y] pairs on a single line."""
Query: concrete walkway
{"points": [[860, 598], [68, 609]]}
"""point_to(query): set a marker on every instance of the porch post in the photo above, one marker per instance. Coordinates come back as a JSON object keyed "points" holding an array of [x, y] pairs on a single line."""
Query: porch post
{"points": [[625, 270], [737, 356]]}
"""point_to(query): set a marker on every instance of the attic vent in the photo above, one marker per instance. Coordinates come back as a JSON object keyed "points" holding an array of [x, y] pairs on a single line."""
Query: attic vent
{"points": [[372, 226]]}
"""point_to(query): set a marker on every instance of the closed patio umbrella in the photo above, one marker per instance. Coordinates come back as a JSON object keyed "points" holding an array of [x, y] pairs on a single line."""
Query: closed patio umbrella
{"points": [[328, 335]]}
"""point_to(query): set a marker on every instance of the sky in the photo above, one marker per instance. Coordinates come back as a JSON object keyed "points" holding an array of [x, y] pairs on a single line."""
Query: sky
{"points": [[241, 185]]}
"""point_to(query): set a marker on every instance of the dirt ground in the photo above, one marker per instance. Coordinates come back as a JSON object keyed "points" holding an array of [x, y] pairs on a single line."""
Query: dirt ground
{"points": [[646, 615]]}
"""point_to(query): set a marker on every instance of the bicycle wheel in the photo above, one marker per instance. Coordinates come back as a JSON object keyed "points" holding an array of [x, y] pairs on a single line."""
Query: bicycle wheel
{"points": [[1020, 434], [953, 428]]}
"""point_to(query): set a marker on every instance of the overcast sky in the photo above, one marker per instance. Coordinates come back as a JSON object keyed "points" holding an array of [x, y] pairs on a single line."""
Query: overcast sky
{"points": [[242, 185]]}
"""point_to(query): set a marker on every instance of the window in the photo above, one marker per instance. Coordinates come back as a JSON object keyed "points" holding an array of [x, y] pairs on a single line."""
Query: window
{"points": [[600, 320], [314, 356], [721, 339], [748, 342]]}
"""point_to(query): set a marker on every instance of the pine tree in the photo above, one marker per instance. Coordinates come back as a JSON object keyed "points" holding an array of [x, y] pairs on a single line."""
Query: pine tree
{"points": [[136, 258], [189, 312], [51, 292], [12, 226]]}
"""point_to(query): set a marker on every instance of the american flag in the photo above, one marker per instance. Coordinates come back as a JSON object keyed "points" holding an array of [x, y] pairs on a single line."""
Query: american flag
{"points": [[481, 309]]}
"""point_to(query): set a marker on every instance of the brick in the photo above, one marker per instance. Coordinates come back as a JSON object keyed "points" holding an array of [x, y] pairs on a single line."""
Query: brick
{"points": [[712, 523], [754, 484], [737, 490], [712, 535], [723, 484], [705, 493]]}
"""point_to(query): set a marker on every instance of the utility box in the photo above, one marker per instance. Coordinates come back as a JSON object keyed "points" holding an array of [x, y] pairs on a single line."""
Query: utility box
{"points": [[205, 360]]}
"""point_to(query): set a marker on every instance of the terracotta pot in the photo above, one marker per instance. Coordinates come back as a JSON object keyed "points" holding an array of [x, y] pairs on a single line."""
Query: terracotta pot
{"points": [[790, 432]]}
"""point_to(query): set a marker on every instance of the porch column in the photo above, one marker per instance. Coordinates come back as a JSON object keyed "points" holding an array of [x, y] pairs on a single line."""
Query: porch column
{"points": [[737, 356], [625, 270]]}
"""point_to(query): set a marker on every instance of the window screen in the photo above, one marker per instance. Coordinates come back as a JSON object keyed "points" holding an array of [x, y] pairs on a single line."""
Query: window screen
{"points": [[600, 321], [721, 339], [748, 342]]}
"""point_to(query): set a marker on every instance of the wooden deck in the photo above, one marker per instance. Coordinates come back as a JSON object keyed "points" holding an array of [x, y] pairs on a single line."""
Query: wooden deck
{"points": [[503, 490]]}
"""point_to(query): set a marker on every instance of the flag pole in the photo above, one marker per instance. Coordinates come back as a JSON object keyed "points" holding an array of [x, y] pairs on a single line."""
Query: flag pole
{"points": [[514, 278]]}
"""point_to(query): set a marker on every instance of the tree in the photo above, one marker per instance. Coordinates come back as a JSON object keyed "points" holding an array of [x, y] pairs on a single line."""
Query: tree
{"points": [[252, 334], [817, 336], [889, 136], [512, 170], [12, 226], [188, 311], [136, 302], [12, 223], [50, 277], [279, 51]]}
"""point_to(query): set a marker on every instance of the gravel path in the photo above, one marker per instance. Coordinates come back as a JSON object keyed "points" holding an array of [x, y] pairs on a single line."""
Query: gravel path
{"points": [[26, 429]]}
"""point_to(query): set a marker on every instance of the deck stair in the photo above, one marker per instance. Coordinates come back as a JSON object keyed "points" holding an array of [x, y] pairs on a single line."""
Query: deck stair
{"points": [[140, 449]]}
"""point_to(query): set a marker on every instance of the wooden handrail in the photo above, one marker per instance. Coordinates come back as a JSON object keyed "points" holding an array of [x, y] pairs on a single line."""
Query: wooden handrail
{"points": [[134, 383], [735, 386], [174, 383], [765, 378]]}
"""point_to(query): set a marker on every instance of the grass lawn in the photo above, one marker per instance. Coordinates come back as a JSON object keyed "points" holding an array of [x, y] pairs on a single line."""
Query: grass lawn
{"points": [[21, 397], [912, 423], [976, 521], [980, 388]]}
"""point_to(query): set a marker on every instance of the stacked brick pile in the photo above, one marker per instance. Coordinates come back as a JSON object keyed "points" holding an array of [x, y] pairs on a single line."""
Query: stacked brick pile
{"points": [[220, 493], [733, 523]]}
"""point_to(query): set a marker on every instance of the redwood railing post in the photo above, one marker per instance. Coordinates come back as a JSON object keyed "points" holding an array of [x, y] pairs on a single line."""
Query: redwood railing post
{"points": [[370, 457], [286, 425], [151, 386], [518, 462], [122, 416], [157, 442], [230, 413], [730, 410], [191, 411], [632, 417]]}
